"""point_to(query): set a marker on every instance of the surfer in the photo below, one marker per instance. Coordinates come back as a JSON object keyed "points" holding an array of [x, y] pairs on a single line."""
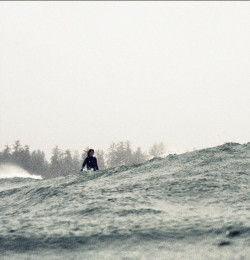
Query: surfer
{"points": [[90, 161]]}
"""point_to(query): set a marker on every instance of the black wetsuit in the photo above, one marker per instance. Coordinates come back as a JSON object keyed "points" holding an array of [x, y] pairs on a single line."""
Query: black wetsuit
{"points": [[91, 163]]}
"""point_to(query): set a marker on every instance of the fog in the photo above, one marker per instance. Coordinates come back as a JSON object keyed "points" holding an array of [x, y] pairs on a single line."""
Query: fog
{"points": [[79, 74]]}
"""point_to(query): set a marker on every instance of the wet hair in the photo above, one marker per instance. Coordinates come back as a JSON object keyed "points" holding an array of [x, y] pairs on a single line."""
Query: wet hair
{"points": [[90, 150]]}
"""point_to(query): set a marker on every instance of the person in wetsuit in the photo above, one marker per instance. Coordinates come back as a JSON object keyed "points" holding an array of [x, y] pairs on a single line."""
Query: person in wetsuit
{"points": [[90, 161]]}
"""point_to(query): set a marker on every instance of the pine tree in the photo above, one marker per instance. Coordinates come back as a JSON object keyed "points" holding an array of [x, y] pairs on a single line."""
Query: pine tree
{"points": [[76, 162], [100, 159], [6, 155], [56, 162], [139, 156], [67, 163], [157, 150], [38, 163]]}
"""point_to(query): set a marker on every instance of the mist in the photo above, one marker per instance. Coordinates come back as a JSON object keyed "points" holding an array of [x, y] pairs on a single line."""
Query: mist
{"points": [[124, 130], [86, 73], [8, 171]]}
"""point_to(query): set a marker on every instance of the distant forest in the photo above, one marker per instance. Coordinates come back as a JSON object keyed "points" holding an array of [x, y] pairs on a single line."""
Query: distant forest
{"points": [[67, 162]]}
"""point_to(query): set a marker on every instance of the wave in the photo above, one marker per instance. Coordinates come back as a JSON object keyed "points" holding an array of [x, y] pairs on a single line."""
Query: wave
{"points": [[200, 195], [19, 243], [12, 171]]}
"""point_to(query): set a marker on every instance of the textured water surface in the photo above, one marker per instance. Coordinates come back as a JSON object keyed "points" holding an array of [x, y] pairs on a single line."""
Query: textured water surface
{"points": [[190, 206]]}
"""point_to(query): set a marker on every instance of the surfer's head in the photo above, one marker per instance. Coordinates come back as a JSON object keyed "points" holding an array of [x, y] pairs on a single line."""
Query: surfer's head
{"points": [[91, 153]]}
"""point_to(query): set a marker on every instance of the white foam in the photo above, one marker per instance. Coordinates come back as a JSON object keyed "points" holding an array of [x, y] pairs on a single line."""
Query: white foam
{"points": [[12, 171]]}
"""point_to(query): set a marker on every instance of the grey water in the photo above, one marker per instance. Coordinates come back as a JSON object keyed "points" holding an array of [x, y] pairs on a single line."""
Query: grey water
{"points": [[189, 206]]}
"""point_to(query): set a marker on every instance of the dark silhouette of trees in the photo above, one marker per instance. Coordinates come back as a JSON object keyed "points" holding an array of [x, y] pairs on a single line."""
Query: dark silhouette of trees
{"points": [[121, 154], [100, 159], [63, 163], [34, 162], [55, 162], [67, 162], [6, 155], [157, 150], [38, 163], [139, 156], [76, 161], [84, 153]]}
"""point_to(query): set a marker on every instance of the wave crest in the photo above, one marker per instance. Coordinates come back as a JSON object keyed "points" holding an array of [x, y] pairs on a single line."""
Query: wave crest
{"points": [[12, 171]]}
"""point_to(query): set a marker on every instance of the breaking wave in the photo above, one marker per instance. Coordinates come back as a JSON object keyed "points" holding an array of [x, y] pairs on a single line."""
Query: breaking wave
{"points": [[12, 171], [187, 206]]}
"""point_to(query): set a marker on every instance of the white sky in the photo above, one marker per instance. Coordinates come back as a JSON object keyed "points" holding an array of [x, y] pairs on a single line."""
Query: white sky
{"points": [[79, 74]]}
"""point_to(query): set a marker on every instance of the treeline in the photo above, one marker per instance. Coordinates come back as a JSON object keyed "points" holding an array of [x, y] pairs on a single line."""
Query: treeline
{"points": [[67, 162]]}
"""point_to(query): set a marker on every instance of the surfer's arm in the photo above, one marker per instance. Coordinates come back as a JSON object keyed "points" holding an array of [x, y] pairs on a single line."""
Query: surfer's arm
{"points": [[83, 164], [96, 165]]}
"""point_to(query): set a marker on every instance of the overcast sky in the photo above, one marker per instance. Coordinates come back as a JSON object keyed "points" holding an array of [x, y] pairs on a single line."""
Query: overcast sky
{"points": [[79, 74]]}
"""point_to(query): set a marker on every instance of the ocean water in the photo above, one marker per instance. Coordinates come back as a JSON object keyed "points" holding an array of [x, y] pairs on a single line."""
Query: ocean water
{"points": [[190, 206]]}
